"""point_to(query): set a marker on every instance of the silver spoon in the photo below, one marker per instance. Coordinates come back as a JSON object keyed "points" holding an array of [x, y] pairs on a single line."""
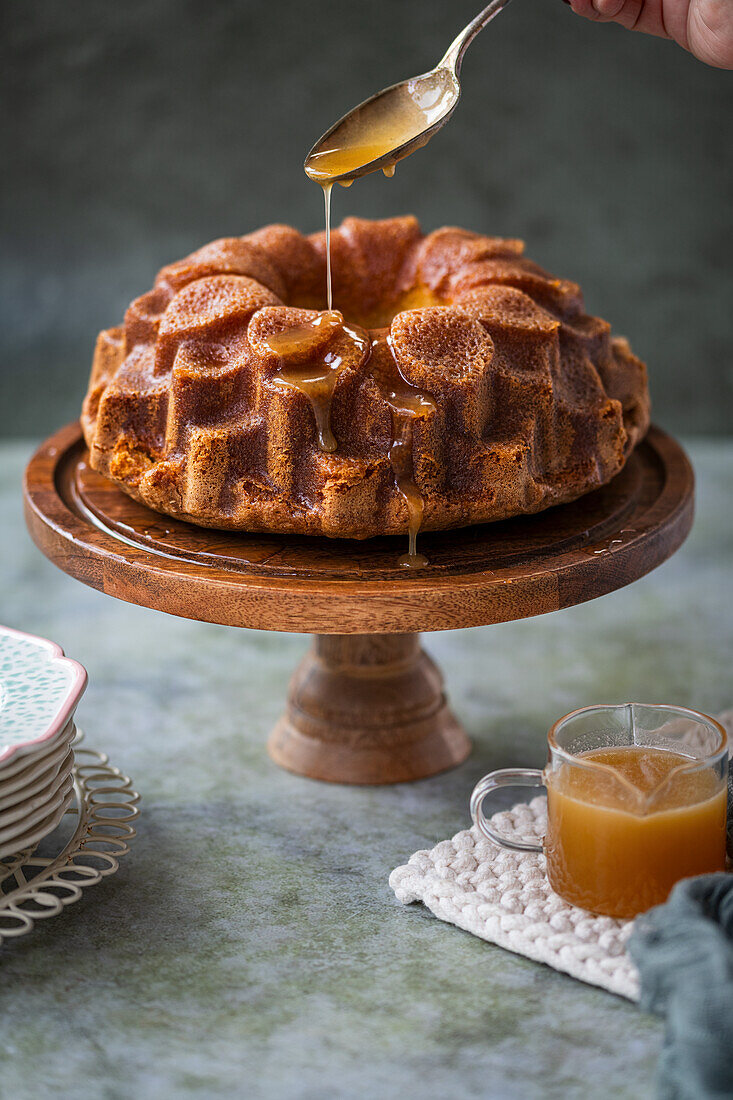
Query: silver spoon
{"points": [[397, 120]]}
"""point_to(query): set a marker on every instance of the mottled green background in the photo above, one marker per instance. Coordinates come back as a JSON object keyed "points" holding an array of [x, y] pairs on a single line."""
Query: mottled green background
{"points": [[134, 132]]}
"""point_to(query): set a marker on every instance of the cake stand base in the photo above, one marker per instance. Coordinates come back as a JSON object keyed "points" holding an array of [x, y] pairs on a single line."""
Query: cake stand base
{"points": [[367, 708]]}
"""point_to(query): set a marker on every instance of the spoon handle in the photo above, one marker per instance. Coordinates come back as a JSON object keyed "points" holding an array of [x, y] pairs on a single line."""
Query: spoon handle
{"points": [[458, 47]]}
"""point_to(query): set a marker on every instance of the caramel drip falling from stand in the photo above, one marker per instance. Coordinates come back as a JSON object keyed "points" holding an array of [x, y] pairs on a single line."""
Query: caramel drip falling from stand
{"points": [[317, 377], [407, 403]]}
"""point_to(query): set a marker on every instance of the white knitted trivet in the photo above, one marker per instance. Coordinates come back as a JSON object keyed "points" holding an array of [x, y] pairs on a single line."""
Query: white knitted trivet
{"points": [[504, 897]]}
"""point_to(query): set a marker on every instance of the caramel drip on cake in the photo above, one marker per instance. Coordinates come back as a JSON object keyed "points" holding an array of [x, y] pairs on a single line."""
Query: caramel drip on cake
{"points": [[400, 455], [407, 403], [316, 378]]}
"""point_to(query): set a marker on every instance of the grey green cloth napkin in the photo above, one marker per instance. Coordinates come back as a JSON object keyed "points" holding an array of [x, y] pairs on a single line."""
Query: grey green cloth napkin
{"points": [[684, 952]]}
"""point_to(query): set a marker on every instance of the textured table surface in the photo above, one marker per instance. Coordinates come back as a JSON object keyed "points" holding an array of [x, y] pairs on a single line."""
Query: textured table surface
{"points": [[250, 944]]}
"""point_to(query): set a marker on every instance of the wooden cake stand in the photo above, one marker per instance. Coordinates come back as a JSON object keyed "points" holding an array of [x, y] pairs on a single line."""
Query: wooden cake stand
{"points": [[366, 705]]}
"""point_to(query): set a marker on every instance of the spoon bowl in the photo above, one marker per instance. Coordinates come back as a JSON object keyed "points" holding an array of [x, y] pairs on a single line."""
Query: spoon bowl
{"points": [[396, 121], [385, 128]]}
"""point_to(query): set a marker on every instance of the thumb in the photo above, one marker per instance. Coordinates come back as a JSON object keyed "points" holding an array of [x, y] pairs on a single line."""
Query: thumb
{"points": [[710, 32], [704, 27]]}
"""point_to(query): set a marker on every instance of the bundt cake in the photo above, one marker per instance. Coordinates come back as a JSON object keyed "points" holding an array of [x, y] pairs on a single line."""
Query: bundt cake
{"points": [[457, 377]]}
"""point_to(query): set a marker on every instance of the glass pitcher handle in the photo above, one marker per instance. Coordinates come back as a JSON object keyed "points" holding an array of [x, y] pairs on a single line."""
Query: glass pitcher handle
{"points": [[505, 777]]}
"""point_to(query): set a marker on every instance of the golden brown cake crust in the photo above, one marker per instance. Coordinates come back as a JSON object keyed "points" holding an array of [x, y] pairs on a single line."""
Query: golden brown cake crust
{"points": [[536, 403]]}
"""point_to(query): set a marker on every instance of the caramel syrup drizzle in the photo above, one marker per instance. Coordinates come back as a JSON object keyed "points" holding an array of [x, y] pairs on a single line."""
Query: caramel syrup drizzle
{"points": [[317, 379], [361, 143], [327, 188], [407, 404]]}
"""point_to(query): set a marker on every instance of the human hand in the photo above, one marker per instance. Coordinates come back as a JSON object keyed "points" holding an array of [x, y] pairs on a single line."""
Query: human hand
{"points": [[704, 27]]}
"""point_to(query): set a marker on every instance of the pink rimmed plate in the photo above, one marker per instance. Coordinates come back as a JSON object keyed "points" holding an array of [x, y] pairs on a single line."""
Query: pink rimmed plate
{"points": [[39, 692]]}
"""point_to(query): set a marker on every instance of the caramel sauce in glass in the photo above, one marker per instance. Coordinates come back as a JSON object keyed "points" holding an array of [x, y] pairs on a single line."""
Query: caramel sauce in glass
{"points": [[618, 847]]}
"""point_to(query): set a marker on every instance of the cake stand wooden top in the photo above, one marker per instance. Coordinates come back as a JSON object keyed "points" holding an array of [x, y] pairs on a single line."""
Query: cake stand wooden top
{"points": [[477, 575]]}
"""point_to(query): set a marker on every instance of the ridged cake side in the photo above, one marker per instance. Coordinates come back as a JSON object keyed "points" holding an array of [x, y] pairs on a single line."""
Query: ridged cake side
{"points": [[536, 403]]}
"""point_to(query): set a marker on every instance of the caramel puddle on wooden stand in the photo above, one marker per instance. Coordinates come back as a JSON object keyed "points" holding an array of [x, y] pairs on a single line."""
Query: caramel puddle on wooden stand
{"points": [[378, 135]]}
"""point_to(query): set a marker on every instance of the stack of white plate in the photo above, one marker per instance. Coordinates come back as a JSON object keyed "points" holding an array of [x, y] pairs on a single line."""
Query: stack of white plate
{"points": [[39, 691]]}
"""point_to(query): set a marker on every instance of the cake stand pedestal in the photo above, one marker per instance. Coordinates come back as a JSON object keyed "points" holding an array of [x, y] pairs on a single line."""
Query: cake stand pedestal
{"points": [[367, 708], [366, 705]]}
